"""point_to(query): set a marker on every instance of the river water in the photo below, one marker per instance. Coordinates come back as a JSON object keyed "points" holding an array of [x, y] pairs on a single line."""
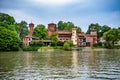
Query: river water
{"points": [[60, 65]]}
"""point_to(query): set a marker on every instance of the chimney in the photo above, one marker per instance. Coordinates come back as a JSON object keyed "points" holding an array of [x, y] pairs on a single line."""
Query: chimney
{"points": [[31, 26]]}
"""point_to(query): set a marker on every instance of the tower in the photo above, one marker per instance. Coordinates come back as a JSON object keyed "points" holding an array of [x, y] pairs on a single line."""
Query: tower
{"points": [[31, 26], [51, 29], [74, 36], [93, 32]]}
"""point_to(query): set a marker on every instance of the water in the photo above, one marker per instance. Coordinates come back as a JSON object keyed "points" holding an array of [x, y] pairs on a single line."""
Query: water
{"points": [[60, 65]]}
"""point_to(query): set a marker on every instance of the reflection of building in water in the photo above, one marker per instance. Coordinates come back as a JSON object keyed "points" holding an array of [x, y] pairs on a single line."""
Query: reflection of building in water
{"points": [[27, 59], [74, 59], [75, 63]]}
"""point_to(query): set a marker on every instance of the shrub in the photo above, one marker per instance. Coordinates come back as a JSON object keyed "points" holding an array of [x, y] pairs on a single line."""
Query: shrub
{"points": [[66, 46], [29, 48]]}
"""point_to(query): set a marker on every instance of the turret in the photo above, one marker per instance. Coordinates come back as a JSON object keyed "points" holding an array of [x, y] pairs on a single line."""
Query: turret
{"points": [[74, 36], [51, 29], [93, 32], [31, 26]]}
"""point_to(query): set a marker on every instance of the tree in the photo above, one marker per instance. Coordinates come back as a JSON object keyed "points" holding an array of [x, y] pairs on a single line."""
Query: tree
{"points": [[111, 37], [54, 37], [8, 22], [23, 29], [40, 31], [79, 30], [9, 40], [100, 29], [65, 25]]}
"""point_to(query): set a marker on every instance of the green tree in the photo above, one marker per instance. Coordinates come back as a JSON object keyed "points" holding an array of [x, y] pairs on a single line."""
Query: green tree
{"points": [[9, 40], [66, 46], [40, 31], [8, 22], [23, 29], [79, 30], [111, 37], [65, 25], [100, 29]]}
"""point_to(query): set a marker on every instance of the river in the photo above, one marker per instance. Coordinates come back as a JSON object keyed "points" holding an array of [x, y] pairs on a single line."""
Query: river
{"points": [[60, 65]]}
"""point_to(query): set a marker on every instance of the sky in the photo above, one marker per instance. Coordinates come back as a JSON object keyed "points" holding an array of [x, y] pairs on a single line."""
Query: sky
{"points": [[81, 12]]}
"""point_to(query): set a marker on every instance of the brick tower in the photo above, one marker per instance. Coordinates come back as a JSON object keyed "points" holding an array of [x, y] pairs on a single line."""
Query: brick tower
{"points": [[31, 26], [51, 29]]}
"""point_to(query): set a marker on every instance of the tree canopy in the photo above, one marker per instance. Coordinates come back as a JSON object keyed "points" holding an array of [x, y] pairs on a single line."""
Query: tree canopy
{"points": [[9, 40], [67, 26], [22, 29], [100, 29], [40, 31], [112, 36], [8, 22]]}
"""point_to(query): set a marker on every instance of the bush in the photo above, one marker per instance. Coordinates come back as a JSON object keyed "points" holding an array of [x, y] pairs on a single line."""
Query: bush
{"points": [[66, 46], [109, 45], [34, 43], [29, 48], [59, 43]]}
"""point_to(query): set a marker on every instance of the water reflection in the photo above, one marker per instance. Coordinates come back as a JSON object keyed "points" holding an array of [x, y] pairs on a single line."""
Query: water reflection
{"points": [[59, 64]]}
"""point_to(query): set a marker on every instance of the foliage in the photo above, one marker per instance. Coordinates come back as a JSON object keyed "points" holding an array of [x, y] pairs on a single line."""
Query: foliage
{"points": [[30, 48], [59, 43], [34, 43], [8, 22], [66, 46], [111, 37], [23, 29], [100, 29], [54, 37], [78, 30], [40, 31], [9, 40]]}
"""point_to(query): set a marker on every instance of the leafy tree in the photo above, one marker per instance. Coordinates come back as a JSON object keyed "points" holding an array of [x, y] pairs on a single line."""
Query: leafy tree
{"points": [[54, 37], [40, 31], [8, 22], [79, 30], [23, 29], [65, 25], [100, 29], [9, 40], [111, 37]]}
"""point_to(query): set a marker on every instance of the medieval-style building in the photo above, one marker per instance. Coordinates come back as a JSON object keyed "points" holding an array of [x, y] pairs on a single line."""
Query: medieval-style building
{"points": [[81, 39]]}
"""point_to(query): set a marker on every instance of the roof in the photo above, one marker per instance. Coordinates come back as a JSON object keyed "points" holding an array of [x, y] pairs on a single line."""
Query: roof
{"points": [[63, 32]]}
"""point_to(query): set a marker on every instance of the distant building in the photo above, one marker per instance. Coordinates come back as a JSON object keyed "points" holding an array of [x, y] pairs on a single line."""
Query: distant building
{"points": [[29, 38], [81, 39]]}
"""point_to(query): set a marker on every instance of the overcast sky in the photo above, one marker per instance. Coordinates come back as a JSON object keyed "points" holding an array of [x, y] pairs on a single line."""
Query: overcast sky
{"points": [[80, 12]]}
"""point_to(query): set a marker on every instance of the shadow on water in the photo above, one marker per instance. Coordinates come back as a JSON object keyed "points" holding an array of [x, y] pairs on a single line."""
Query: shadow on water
{"points": [[85, 64]]}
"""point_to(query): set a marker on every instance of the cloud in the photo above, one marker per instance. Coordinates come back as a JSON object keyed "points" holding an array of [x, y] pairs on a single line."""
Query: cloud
{"points": [[53, 2]]}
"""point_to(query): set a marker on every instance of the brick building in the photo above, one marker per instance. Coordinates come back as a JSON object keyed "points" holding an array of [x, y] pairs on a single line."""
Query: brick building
{"points": [[81, 39]]}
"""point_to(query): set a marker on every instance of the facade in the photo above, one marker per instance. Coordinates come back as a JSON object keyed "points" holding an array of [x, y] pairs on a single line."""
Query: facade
{"points": [[81, 39]]}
